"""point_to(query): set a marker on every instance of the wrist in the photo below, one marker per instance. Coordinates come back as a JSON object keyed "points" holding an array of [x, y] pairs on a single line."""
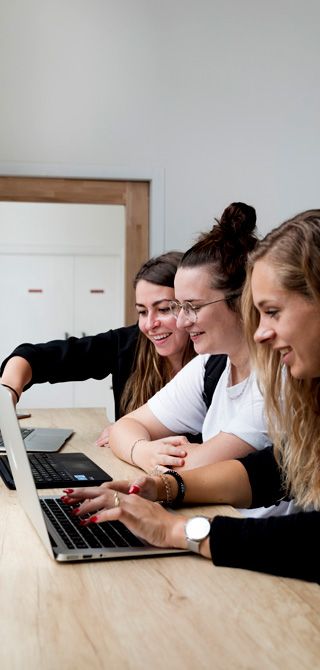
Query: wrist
{"points": [[178, 488], [14, 393], [167, 489], [177, 536], [133, 451]]}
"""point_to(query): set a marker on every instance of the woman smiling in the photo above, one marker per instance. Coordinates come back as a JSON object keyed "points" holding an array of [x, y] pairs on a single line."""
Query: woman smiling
{"points": [[208, 287]]}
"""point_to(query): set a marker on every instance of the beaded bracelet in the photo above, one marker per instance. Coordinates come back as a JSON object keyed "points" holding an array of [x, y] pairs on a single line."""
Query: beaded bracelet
{"points": [[181, 487], [141, 439], [12, 389]]}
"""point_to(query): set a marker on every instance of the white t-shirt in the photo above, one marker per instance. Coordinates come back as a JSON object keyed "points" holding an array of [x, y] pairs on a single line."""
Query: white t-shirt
{"points": [[237, 410]]}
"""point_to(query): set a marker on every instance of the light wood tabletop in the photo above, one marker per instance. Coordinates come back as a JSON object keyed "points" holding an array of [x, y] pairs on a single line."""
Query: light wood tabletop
{"points": [[171, 612]]}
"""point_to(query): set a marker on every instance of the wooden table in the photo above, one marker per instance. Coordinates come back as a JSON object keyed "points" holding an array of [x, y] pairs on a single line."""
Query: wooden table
{"points": [[171, 612]]}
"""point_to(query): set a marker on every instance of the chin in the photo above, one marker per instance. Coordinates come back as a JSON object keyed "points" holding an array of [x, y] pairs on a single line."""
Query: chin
{"points": [[199, 349]]}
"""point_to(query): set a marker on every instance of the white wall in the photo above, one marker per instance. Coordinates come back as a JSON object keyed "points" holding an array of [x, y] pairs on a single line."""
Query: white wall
{"points": [[223, 95]]}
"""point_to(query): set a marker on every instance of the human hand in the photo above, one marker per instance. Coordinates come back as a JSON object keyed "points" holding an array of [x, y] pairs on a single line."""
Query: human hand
{"points": [[146, 519], [103, 439], [159, 455], [95, 498]]}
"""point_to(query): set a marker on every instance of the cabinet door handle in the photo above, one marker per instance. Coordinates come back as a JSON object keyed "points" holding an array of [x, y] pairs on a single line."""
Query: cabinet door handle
{"points": [[83, 334], [66, 335]]}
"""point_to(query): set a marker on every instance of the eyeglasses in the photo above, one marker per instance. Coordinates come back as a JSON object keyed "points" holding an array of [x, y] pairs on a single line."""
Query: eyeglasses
{"points": [[190, 310]]}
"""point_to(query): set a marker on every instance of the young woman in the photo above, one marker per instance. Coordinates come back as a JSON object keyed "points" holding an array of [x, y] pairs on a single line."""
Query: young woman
{"points": [[140, 358], [208, 286], [281, 308]]}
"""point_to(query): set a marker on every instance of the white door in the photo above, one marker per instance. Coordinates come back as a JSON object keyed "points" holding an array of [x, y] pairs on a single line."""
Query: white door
{"points": [[36, 304], [99, 306], [56, 281]]}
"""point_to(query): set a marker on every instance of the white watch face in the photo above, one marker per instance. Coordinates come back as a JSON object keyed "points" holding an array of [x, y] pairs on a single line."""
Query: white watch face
{"points": [[197, 528]]}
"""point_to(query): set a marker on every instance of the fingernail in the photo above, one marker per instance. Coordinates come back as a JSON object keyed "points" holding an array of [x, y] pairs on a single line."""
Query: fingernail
{"points": [[85, 522], [74, 512], [68, 490], [134, 488], [65, 499]]}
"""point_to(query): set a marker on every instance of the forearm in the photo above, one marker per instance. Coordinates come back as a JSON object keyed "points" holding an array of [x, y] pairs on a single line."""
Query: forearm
{"points": [[17, 373], [223, 447], [226, 482], [123, 435], [281, 545]]}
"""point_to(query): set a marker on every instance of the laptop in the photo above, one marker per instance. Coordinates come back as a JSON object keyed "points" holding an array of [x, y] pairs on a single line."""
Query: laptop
{"points": [[42, 439], [59, 531], [58, 471]]}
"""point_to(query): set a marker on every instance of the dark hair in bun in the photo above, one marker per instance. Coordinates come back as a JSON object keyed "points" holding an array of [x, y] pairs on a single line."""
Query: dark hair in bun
{"points": [[225, 249]]}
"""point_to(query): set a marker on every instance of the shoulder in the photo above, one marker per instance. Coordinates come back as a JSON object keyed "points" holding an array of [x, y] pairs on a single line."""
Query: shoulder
{"points": [[125, 337]]}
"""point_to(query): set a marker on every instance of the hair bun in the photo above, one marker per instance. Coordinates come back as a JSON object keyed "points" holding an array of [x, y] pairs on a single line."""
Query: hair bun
{"points": [[238, 219]]}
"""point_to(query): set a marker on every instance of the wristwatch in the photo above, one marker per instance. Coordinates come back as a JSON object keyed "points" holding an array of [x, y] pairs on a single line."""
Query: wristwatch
{"points": [[196, 530]]}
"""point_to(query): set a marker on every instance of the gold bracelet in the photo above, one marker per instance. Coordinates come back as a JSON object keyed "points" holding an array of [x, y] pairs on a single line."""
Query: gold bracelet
{"points": [[141, 439], [167, 487]]}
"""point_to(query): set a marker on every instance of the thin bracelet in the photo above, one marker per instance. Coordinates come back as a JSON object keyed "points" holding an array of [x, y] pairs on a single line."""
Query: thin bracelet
{"points": [[141, 439], [181, 487], [12, 389]]}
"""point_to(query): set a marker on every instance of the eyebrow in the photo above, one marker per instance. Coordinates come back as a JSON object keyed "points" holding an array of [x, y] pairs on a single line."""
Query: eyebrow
{"points": [[154, 304]]}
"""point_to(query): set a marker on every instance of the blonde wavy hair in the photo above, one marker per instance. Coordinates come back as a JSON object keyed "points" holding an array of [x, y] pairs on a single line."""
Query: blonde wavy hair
{"points": [[292, 405], [150, 371]]}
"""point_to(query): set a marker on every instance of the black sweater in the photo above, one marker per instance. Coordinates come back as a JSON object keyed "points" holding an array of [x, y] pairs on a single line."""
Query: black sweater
{"points": [[280, 545], [92, 357]]}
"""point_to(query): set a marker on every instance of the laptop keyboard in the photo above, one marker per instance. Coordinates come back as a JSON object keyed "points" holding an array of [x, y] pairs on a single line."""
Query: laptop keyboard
{"points": [[44, 469], [24, 432], [111, 534]]}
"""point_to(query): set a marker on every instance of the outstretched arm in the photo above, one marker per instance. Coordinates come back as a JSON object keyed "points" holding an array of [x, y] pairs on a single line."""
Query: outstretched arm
{"points": [[225, 482]]}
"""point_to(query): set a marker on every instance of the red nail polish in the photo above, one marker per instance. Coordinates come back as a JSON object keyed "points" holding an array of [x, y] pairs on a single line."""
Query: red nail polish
{"points": [[64, 499], [68, 490], [134, 488], [85, 522], [75, 512]]}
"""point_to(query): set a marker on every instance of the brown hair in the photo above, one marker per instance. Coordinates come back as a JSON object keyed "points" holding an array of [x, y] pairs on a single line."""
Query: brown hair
{"points": [[225, 249], [292, 405], [151, 371]]}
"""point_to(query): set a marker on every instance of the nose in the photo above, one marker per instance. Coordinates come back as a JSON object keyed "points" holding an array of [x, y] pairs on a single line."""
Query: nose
{"points": [[183, 320], [152, 321], [263, 334]]}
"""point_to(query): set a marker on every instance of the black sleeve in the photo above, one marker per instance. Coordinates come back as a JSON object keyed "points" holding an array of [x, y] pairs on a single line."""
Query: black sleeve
{"points": [[265, 478], [279, 545], [92, 357]]}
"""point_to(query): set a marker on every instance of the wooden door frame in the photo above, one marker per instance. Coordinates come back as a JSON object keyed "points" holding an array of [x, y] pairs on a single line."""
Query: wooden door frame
{"points": [[134, 195]]}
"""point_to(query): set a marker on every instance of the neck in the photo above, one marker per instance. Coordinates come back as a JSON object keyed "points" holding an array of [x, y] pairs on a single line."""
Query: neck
{"points": [[240, 365], [175, 364]]}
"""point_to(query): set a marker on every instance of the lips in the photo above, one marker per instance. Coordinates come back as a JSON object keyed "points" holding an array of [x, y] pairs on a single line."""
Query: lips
{"points": [[160, 338], [193, 335], [284, 353]]}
